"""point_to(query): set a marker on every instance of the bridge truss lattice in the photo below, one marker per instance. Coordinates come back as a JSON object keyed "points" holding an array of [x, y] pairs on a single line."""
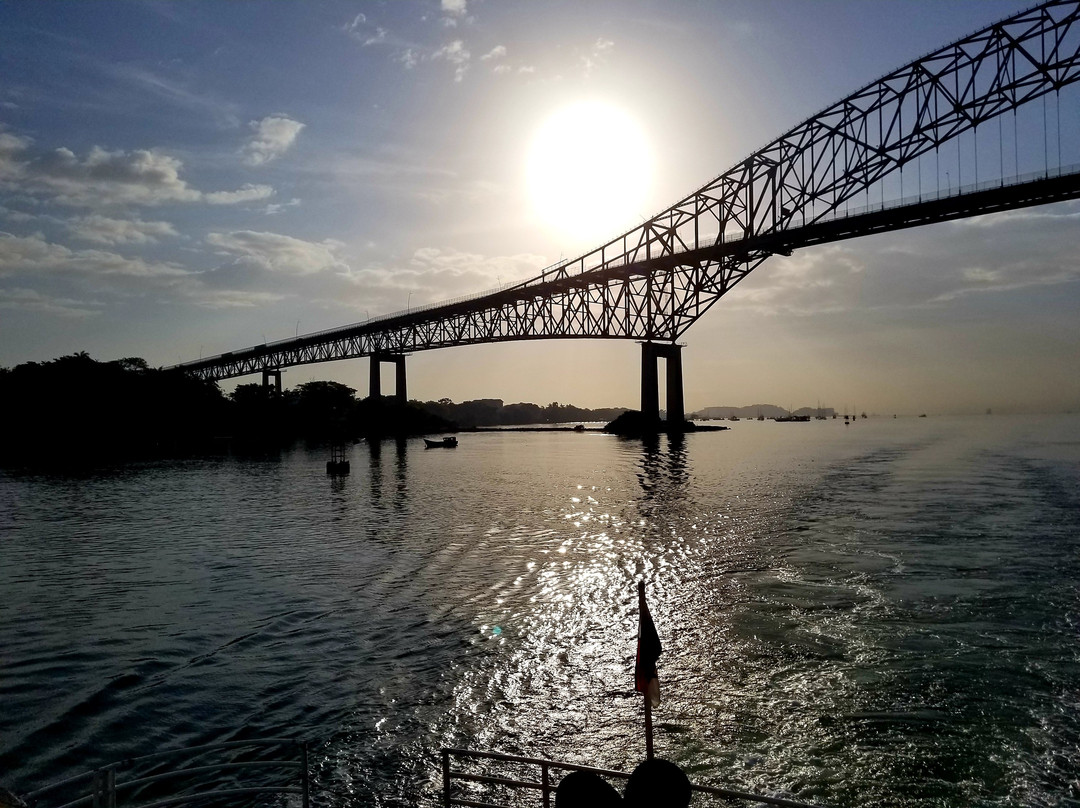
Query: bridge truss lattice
{"points": [[654, 281]]}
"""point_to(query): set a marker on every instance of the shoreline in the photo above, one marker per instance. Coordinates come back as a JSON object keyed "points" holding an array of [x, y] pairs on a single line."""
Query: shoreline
{"points": [[706, 428]]}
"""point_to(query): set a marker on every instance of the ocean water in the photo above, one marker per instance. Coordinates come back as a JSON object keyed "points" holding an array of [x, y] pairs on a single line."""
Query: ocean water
{"points": [[881, 613]]}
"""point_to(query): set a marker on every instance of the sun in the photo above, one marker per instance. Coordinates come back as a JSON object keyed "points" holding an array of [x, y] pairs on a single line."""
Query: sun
{"points": [[589, 170]]}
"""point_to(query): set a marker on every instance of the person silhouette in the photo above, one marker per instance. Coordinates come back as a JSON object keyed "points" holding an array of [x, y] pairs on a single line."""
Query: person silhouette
{"points": [[657, 783], [586, 790]]}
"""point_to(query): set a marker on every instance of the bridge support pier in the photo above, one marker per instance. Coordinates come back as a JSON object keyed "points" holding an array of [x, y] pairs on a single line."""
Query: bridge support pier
{"points": [[275, 374], [650, 394], [375, 379]]}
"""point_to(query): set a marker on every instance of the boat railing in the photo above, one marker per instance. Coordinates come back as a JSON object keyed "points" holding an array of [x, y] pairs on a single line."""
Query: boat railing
{"points": [[526, 781], [228, 772]]}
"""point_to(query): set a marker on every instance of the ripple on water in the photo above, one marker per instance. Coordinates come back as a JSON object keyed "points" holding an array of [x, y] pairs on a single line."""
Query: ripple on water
{"points": [[885, 613]]}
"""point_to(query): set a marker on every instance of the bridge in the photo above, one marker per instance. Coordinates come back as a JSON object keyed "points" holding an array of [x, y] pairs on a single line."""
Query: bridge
{"points": [[838, 175]]}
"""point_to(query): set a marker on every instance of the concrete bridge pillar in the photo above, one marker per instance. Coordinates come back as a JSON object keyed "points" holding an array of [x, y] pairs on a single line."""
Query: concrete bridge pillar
{"points": [[375, 378], [651, 352], [650, 395], [400, 389], [676, 412], [275, 374]]}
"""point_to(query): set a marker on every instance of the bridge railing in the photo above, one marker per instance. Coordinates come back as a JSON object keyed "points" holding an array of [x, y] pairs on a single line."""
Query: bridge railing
{"points": [[495, 780]]}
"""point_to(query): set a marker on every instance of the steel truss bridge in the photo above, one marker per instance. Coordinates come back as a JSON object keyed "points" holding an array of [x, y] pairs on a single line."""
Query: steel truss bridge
{"points": [[653, 282]]}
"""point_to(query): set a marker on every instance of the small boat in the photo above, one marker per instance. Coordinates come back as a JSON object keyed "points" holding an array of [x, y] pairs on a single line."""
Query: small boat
{"points": [[445, 443], [337, 465]]}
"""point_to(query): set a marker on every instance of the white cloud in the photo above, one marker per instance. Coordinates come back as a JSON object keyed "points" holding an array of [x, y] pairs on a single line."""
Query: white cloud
{"points": [[245, 193], [33, 255], [454, 7], [456, 54], [272, 137], [106, 178], [104, 230], [278, 207], [498, 52], [278, 253], [357, 24], [409, 58], [361, 30]]}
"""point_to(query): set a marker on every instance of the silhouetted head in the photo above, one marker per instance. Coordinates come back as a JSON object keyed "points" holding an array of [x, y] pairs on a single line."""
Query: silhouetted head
{"points": [[585, 790], [657, 784]]}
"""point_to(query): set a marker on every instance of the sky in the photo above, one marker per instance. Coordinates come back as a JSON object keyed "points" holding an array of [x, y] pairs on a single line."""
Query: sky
{"points": [[183, 179]]}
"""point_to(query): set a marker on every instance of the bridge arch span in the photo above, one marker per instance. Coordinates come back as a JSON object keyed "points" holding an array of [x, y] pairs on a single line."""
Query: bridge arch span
{"points": [[654, 281]]}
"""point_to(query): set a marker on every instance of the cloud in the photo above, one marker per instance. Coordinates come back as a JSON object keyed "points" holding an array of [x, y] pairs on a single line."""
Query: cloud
{"points": [[277, 253], [103, 230], [458, 190], [409, 58], [443, 273], [363, 32], [456, 54], [30, 300], [33, 255], [228, 298], [453, 11], [272, 137], [11, 146], [597, 55], [1028, 249], [169, 91], [498, 52], [278, 207], [357, 23], [106, 178], [245, 193], [140, 177], [16, 215]]}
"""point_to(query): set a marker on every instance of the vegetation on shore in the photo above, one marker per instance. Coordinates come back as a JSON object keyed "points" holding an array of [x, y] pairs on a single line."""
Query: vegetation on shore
{"points": [[74, 411]]}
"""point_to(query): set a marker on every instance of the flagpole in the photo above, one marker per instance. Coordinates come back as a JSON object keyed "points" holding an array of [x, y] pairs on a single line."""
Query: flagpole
{"points": [[648, 701]]}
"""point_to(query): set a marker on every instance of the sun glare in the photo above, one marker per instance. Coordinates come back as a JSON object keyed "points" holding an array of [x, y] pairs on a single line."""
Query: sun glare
{"points": [[589, 171]]}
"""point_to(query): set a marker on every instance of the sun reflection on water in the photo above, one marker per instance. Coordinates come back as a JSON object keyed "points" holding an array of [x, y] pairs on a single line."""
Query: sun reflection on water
{"points": [[886, 621]]}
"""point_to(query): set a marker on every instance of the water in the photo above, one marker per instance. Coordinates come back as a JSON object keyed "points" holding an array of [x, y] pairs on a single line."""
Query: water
{"points": [[886, 612]]}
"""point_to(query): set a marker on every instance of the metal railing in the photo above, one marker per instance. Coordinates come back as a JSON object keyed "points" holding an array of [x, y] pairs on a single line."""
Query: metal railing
{"points": [[224, 772], [520, 781]]}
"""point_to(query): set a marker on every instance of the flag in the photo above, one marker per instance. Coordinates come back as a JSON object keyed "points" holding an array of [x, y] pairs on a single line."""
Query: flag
{"points": [[648, 651]]}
